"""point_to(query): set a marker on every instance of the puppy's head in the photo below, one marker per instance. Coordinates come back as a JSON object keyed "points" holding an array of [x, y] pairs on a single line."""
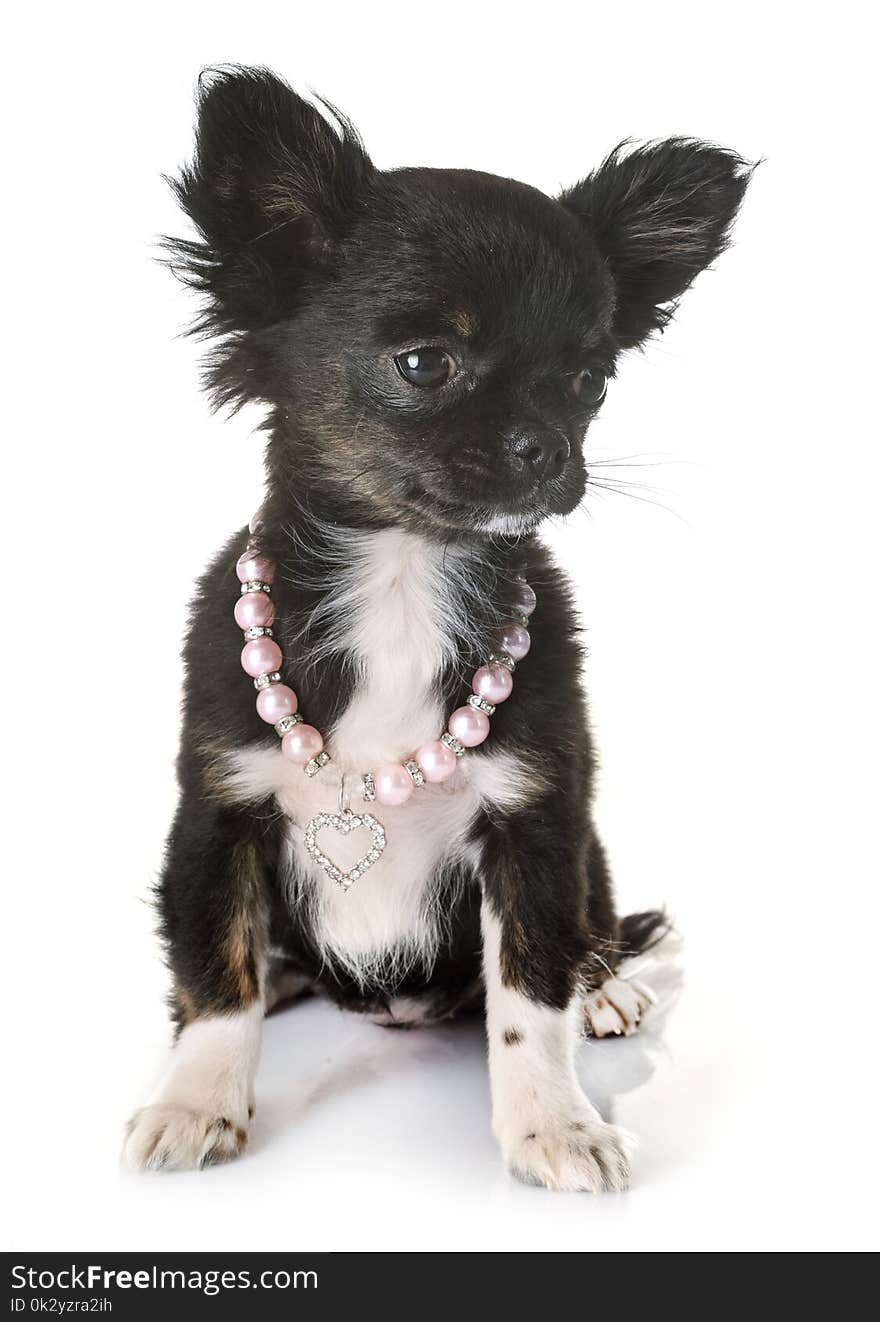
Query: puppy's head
{"points": [[434, 343]]}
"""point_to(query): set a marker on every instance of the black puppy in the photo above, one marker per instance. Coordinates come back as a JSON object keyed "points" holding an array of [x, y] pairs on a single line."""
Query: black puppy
{"points": [[432, 346]]}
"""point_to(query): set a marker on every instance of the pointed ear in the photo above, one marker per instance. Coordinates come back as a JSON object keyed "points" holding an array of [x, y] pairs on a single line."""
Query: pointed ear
{"points": [[659, 215], [271, 188]]}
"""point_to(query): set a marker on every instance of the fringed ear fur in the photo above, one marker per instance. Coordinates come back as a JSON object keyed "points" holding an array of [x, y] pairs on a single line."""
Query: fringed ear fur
{"points": [[271, 188], [659, 215]]}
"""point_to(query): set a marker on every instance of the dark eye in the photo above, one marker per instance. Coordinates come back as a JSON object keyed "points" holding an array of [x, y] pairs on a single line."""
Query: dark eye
{"points": [[426, 367], [590, 385]]}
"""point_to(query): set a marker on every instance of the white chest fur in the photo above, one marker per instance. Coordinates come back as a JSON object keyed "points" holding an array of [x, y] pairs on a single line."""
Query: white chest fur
{"points": [[397, 610]]}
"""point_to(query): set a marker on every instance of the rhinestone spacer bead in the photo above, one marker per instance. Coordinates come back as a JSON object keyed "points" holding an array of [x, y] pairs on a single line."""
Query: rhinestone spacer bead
{"points": [[312, 768], [258, 631], [254, 585], [416, 772], [263, 681], [369, 787], [503, 659], [287, 723], [474, 700], [451, 742]]}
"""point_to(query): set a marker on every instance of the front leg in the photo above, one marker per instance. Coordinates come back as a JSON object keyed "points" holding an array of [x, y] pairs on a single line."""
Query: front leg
{"points": [[213, 907], [536, 946]]}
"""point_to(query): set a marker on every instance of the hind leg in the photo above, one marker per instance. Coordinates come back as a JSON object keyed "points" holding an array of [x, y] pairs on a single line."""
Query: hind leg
{"points": [[602, 919], [615, 1005], [285, 983]]}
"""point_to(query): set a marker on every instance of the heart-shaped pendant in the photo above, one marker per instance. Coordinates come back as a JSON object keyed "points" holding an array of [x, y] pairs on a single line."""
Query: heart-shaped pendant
{"points": [[345, 822]]}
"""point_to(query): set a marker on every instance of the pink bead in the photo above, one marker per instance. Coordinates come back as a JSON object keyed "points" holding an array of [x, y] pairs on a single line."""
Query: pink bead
{"points": [[436, 760], [256, 523], [254, 608], [254, 567], [469, 726], [260, 656], [514, 640], [493, 682], [394, 784], [301, 744], [525, 600], [276, 701]]}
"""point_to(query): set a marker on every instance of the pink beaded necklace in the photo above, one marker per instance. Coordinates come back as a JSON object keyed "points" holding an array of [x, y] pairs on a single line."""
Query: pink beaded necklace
{"points": [[303, 744]]}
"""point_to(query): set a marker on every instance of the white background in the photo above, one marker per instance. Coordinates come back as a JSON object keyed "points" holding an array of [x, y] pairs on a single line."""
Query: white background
{"points": [[733, 640]]}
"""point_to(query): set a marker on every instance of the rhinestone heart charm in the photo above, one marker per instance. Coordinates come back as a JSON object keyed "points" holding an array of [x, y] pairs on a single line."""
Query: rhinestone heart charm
{"points": [[345, 822]]}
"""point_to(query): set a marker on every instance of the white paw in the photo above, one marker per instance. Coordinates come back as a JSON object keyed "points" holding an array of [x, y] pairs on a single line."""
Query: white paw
{"points": [[171, 1138], [617, 1007], [576, 1151]]}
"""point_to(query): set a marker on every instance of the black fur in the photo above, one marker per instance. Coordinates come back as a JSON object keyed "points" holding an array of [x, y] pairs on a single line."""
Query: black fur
{"points": [[660, 214], [317, 272]]}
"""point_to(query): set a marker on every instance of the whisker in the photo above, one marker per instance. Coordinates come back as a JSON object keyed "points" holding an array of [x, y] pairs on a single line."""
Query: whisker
{"points": [[639, 461], [626, 484], [622, 491]]}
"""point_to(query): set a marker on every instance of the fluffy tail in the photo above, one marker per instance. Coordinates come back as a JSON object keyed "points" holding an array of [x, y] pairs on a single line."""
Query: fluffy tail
{"points": [[642, 931]]}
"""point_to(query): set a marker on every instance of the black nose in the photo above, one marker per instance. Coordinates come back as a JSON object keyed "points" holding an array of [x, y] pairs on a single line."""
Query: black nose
{"points": [[540, 454]]}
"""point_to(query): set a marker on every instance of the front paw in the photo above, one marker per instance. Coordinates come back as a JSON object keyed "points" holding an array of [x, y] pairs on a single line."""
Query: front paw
{"points": [[171, 1138], [574, 1151]]}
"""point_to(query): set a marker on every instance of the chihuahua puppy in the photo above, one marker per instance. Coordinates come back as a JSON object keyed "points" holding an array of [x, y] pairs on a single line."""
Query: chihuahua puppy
{"points": [[432, 346]]}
